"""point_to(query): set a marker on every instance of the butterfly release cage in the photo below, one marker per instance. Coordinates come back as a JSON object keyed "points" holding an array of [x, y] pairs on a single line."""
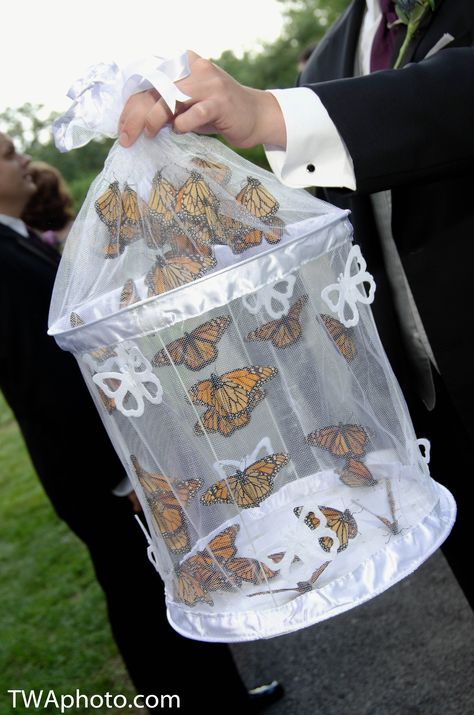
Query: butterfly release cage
{"points": [[222, 324]]}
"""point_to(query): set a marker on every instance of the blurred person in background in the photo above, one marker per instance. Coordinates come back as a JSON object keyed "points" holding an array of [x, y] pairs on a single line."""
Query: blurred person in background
{"points": [[50, 209]]}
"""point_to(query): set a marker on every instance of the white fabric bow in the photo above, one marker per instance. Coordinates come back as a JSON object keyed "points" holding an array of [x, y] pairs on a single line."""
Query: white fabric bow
{"points": [[99, 97]]}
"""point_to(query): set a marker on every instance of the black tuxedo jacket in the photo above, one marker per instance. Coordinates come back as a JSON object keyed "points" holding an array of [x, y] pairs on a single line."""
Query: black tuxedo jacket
{"points": [[411, 130], [43, 385]]}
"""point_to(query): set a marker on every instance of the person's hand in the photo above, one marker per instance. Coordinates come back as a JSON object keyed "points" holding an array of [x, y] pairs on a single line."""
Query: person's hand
{"points": [[218, 105]]}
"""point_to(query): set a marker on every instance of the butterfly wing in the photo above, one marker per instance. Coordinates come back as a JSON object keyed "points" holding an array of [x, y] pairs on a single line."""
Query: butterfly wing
{"points": [[195, 196], [341, 336], [109, 206], [257, 199], [342, 523], [215, 170], [162, 199], [341, 441], [188, 590], [129, 294], [171, 271], [222, 546], [356, 474], [256, 482], [250, 570]]}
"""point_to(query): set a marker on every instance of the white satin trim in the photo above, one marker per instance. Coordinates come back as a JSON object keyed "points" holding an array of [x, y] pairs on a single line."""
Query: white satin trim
{"points": [[303, 242], [100, 96], [399, 558]]}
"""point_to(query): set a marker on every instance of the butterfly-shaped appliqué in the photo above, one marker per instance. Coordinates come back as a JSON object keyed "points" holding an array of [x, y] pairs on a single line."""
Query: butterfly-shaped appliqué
{"points": [[342, 297], [132, 384]]}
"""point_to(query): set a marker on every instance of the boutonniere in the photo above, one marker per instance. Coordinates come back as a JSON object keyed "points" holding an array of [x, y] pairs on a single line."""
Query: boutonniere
{"points": [[411, 13]]}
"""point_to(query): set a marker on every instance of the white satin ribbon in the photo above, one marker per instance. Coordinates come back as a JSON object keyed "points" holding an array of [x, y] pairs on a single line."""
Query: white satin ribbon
{"points": [[101, 94]]}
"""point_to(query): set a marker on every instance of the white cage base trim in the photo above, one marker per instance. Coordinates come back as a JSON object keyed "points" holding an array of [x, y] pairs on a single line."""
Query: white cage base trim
{"points": [[244, 619]]}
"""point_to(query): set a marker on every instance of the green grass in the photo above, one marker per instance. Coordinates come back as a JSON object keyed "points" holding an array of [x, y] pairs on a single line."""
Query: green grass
{"points": [[54, 632]]}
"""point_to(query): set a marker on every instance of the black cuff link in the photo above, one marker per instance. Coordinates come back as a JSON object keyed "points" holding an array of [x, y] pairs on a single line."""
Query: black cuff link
{"points": [[310, 168]]}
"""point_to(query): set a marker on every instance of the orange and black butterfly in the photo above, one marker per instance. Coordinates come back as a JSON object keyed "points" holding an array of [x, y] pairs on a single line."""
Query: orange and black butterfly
{"points": [[230, 394], [166, 499], [257, 199], [162, 200], [220, 173], [212, 421], [341, 441], [356, 474], [210, 575], [129, 294], [172, 270], [248, 487], [188, 589], [250, 570], [284, 331], [341, 522], [341, 336], [122, 213], [195, 349], [195, 197], [222, 546], [191, 239], [252, 237]]}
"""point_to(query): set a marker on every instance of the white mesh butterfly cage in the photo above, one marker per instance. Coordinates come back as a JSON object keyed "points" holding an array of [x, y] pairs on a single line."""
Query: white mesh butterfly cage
{"points": [[222, 324]]}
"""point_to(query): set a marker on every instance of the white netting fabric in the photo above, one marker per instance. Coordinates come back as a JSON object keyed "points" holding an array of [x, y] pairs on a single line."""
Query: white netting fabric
{"points": [[222, 324]]}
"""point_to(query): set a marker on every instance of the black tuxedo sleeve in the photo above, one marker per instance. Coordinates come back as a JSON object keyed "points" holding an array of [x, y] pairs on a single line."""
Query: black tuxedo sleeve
{"points": [[408, 125]]}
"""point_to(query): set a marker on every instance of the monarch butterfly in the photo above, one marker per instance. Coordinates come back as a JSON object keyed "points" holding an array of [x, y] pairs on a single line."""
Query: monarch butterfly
{"points": [[121, 214], [188, 590], [225, 424], [301, 586], [195, 349], [171, 271], [257, 199], [248, 487], [129, 294], [202, 567], [341, 441], [282, 332], [191, 239], [341, 336], [162, 199], [165, 499], [222, 546], [216, 171], [195, 197], [341, 522], [250, 570], [356, 474], [230, 394]]}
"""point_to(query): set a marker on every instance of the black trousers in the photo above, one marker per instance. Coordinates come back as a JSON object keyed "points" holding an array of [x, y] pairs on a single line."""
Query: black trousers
{"points": [[158, 659], [451, 465]]}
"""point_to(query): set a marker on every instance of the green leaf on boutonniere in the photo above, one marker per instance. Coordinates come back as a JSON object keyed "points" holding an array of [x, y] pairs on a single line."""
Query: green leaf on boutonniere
{"points": [[411, 13]]}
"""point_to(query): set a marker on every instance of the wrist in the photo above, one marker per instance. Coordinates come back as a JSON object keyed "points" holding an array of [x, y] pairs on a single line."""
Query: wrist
{"points": [[271, 127]]}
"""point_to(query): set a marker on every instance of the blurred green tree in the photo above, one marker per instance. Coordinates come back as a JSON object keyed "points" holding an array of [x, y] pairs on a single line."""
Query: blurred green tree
{"points": [[272, 65]]}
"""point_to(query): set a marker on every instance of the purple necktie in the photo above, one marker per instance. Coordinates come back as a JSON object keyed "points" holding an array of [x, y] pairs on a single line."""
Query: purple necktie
{"points": [[383, 46]]}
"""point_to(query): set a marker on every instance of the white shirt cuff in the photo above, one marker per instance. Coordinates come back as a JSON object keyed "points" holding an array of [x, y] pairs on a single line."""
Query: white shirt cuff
{"points": [[315, 152]]}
